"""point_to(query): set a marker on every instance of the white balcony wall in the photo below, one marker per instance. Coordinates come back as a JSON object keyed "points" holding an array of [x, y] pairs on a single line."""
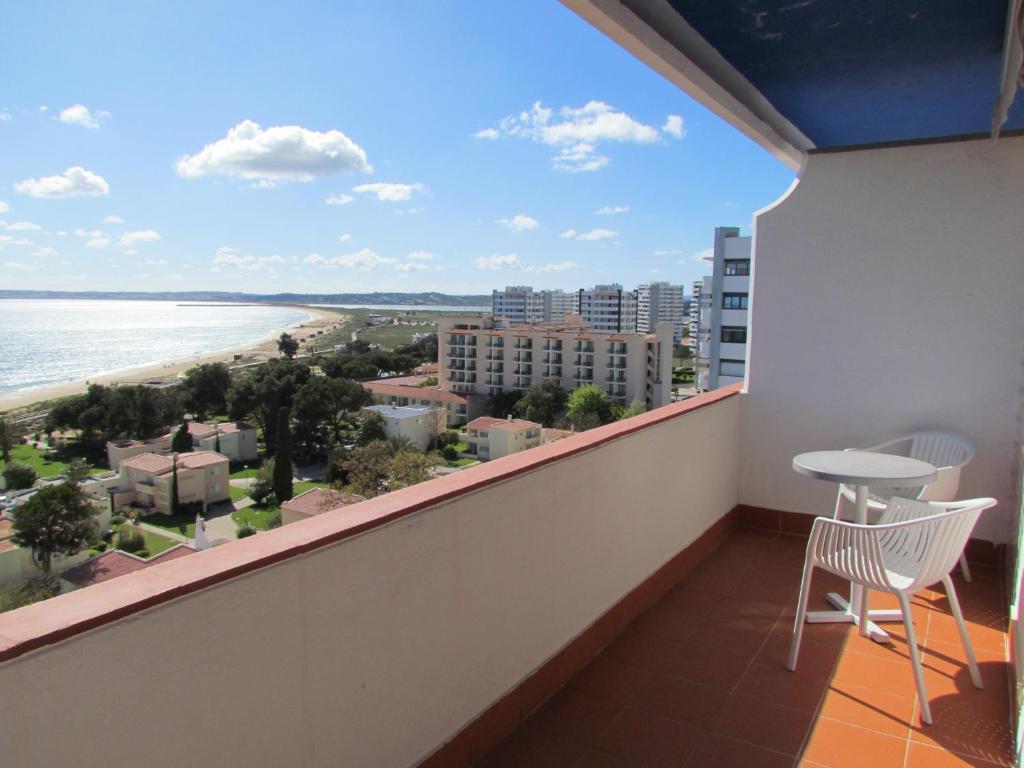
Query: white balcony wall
{"points": [[732, 351], [887, 297], [734, 316], [372, 651], [735, 283]]}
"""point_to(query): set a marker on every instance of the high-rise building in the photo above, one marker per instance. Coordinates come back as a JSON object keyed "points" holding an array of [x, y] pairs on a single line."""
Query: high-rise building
{"points": [[660, 303], [608, 308], [478, 357], [721, 336], [521, 304]]}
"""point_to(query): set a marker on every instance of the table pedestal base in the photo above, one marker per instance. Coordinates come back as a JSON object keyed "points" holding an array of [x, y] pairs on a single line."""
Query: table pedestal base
{"points": [[847, 616]]}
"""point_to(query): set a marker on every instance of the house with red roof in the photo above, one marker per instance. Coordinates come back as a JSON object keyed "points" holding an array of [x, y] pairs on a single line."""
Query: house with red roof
{"points": [[145, 480], [115, 563], [314, 502]]}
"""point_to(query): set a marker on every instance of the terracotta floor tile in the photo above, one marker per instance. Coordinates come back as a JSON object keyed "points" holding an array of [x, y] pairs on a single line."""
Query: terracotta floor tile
{"points": [[576, 715], [716, 751], [715, 666], [924, 756], [839, 745], [893, 677], [946, 669], [598, 758], [757, 722], [716, 579], [978, 727], [612, 679], [649, 740], [682, 701], [664, 621], [943, 629], [533, 748], [644, 650], [801, 689], [695, 603], [869, 709]]}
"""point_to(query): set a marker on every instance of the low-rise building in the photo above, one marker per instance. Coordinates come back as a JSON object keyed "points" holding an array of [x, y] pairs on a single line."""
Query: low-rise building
{"points": [[314, 502], [119, 450], [459, 408], [491, 438], [419, 424], [145, 480], [114, 563], [234, 439]]}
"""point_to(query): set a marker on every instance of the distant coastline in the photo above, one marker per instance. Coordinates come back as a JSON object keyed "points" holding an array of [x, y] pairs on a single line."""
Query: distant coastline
{"points": [[425, 299]]}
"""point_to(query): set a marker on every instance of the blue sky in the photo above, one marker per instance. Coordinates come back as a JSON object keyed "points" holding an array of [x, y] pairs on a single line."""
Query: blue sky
{"points": [[188, 145]]}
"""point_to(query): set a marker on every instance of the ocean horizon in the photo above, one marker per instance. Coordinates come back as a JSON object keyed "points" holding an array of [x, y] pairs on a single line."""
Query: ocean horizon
{"points": [[55, 341]]}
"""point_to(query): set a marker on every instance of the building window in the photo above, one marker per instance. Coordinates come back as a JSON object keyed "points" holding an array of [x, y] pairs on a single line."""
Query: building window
{"points": [[737, 266], [734, 301], [734, 334], [731, 368]]}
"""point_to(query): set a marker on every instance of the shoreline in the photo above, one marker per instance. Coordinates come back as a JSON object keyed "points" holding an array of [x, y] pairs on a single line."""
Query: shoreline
{"points": [[254, 352]]}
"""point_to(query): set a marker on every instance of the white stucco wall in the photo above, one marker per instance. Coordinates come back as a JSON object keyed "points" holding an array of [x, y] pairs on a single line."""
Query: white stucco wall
{"points": [[888, 295], [374, 650]]}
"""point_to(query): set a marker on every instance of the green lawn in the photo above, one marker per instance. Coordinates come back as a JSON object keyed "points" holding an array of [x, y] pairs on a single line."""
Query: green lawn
{"points": [[155, 543], [45, 465], [461, 447], [461, 462], [236, 492], [248, 471], [183, 524], [304, 485], [258, 515]]}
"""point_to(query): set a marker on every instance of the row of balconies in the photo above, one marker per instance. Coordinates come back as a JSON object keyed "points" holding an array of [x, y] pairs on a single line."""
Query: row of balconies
{"points": [[460, 340]]}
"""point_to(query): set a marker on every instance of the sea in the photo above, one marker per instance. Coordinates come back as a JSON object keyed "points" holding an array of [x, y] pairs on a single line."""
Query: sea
{"points": [[44, 342]]}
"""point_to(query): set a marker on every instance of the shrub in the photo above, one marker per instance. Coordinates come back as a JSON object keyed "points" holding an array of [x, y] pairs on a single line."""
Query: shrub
{"points": [[450, 453], [245, 530], [259, 489], [117, 519], [191, 508], [274, 519], [18, 476], [143, 553], [130, 538], [447, 438], [101, 546]]}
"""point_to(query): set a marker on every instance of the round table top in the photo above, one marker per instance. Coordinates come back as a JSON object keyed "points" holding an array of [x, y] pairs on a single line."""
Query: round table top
{"points": [[864, 468]]}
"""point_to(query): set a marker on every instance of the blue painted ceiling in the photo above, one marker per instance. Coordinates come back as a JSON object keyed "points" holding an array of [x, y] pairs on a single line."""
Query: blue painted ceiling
{"points": [[852, 72]]}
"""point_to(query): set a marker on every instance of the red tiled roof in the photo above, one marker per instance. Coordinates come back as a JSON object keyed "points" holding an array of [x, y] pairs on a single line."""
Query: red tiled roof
{"points": [[235, 426], [316, 501], [423, 393], [514, 425], [148, 462], [196, 459], [198, 429], [116, 563], [483, 422]]}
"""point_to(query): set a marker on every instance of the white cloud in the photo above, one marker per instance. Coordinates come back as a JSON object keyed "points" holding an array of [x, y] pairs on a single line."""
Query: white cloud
{"points": [[278, 153], [701, 256], [4, 207], [339, 199], [6, 240], [674, 127], [154, 263], [568, 234], [19, 266], [113, 219], [132, 239], [669, 252], [45, 250], [345, 237], [391, 193], [411, 266], [131, 252], [510, 262], [89, 232], [5, 116], [79, 114], [520, 222], [421, 255], [43, 109], [22, 226], [364, 259], [74, 182], [229, 259], [597, 234], [98, 242], [611, 210], [577, 132]]}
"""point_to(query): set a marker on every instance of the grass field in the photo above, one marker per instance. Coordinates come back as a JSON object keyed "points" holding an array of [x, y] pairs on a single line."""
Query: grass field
{"points": [[258, 515], [236, 493], [387, 336], [183, 524], [304, 485], [45, 465], [155, 543]]}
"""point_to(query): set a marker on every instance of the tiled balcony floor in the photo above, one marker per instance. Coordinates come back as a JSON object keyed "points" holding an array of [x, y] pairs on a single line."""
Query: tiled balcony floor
{"points": [[700, 680]]}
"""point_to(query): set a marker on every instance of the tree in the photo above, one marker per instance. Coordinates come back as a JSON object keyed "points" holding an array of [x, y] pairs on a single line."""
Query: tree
{"points": [[283, 459], [408, 468], [259, 489], [321, 410], [633, 409], [589, 406], [57, 520], [383, 466], [182, 440], [371, 428], [502, 404], [6, 439], [287, 346], [205, 389], [76, 472], [543, 402], [174, 484], [18, 476], [263, 392]]}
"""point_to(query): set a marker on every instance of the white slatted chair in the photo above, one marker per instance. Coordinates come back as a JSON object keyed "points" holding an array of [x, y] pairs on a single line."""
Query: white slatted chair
{"points": [[945, 451], [914, 545]]}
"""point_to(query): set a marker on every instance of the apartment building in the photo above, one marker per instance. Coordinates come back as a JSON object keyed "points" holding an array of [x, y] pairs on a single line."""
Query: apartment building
{"points": [[145, 480], [479, 358], [490, 438], [721, 333], [660, 302], [234, 439], [521, 304], [608, 308], [409, 390], [419, 424]]}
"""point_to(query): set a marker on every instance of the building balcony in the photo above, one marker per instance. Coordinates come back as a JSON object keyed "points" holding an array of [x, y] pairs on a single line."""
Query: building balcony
{"points": [[656, 637], [523, 357]]}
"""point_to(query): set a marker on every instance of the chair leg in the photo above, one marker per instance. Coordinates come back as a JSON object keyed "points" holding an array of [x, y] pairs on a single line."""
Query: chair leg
{"points": [[801, 614], [965, 569], [837, 515], [915, 659], [954, 604], [863, 618]]}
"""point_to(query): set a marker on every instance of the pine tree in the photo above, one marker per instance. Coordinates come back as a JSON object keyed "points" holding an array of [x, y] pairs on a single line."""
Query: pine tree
{"points": [[174, 485], [283, 457], [182, 440]]}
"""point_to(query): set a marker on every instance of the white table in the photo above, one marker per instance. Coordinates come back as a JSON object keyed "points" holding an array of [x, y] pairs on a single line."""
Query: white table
{"points": [[861, 469]]}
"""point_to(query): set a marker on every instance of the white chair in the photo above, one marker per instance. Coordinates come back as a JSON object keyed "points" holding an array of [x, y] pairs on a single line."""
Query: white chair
{"points": [[914, 545], [945, 451]]}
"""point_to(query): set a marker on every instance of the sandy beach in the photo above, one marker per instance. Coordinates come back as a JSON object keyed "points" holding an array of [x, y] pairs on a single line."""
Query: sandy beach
{"points": [[258, 351]]}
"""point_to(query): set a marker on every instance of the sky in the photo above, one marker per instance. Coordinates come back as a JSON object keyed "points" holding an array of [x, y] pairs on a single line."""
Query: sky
{"points": [[329, 147]]}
